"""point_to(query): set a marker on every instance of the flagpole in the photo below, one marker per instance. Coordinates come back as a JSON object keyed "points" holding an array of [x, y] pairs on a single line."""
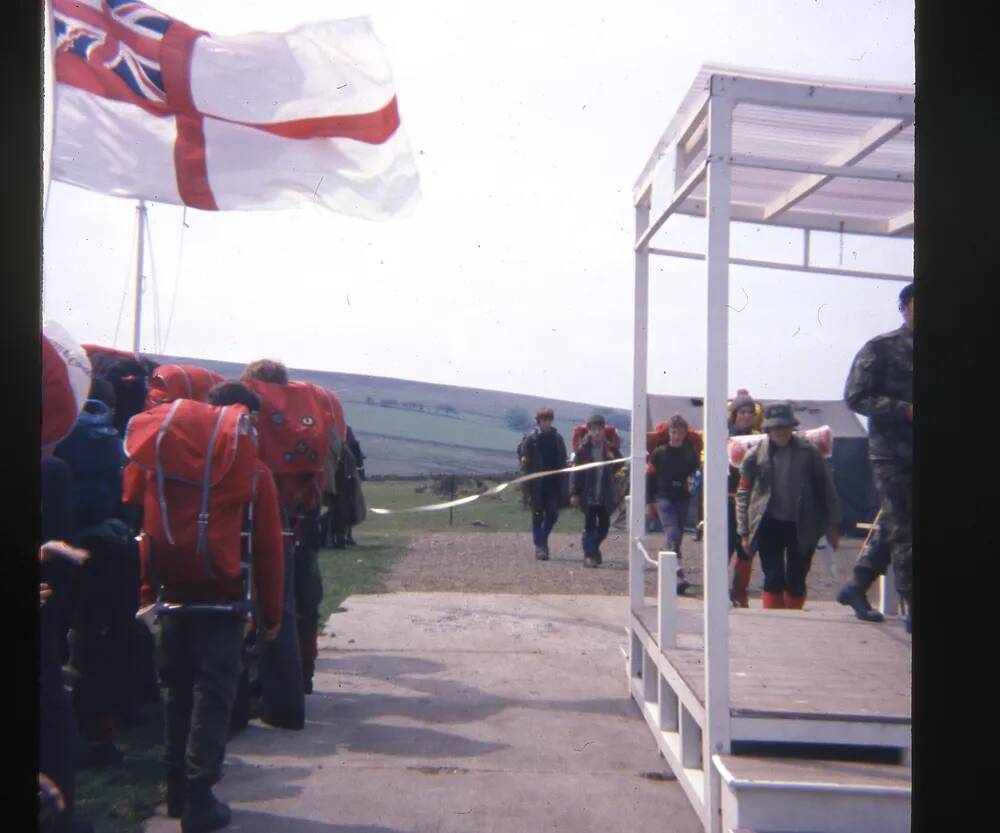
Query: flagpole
{"points": [[140, 217]]}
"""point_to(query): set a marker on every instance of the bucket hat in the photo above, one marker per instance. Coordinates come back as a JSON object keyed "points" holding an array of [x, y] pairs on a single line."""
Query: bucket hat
{"points": [[779, 415]]}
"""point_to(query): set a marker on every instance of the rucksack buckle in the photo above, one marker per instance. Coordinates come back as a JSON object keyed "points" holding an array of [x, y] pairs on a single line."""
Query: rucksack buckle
{"points": [[203, 519]]}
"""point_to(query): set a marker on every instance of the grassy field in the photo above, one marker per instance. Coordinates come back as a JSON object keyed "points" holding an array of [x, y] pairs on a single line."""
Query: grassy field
{"points": [[502, 512]]}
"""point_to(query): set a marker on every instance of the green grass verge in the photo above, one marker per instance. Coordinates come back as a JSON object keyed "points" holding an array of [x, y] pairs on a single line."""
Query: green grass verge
{"points": [[359, 569], [118, 799]]}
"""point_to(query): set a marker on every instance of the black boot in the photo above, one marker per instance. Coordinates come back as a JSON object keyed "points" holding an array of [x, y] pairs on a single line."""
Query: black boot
{"points": [[203, 812], [349, 538], [852, 595], [176, 794], [338, 541]]}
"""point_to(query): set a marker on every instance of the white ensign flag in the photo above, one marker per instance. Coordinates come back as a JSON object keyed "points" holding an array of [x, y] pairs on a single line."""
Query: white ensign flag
{"points": [[148, 107]]}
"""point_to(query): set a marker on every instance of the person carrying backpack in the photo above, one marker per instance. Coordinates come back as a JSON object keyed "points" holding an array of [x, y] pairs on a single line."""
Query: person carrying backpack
{"points": [[785, 501], [298, 424], [211, 552]]}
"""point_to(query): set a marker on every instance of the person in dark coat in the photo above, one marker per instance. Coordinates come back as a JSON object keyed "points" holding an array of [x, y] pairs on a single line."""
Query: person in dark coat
{"points": [[785, 501], [668, 488], [880, 386], [593, 490], [543, 449]]}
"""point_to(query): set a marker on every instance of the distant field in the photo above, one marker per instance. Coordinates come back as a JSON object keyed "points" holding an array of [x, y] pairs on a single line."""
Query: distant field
{"points": [[408, 441]]}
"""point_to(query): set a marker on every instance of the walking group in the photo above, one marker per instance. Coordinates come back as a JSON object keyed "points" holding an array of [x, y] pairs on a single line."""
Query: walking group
{"points": [[182, 516], [782, 500]]}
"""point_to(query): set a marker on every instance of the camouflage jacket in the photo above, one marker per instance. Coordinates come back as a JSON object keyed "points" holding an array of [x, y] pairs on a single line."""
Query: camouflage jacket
{"points": [[880, 386]]}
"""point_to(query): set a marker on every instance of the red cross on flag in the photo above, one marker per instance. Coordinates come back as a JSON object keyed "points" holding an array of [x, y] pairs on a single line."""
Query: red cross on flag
{"points": [[151, 108]]}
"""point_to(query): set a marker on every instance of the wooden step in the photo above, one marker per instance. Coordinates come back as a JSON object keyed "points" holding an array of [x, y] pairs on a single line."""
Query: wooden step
{"points": [[784, 795]]}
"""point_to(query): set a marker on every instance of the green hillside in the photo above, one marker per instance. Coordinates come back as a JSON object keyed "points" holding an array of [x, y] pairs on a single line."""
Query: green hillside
{"points": [[409, 428]]}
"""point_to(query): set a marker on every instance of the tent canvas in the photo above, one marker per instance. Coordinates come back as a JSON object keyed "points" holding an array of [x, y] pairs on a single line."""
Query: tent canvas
{"points": [[852, 474]]}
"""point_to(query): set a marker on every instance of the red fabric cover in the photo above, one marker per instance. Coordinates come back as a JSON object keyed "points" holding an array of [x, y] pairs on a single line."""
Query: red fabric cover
{"points": [[611, 436], [171, 442], [739, 446], [60, 407], [97, 350], [334, 410], [180, 381], [292, 429], [660, 436]]}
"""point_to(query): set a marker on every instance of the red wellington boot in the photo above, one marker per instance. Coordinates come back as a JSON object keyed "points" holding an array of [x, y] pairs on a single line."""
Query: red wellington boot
{"points": [[741, 580], [772, 601], [794, 602]]}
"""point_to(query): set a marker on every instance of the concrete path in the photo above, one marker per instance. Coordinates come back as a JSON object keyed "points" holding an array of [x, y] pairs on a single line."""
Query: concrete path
{"points": [[447, 713]]}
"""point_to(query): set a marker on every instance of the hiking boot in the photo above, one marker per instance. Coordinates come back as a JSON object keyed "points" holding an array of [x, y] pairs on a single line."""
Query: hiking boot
{"points": [[589, 561], [850, 594], [682, 585], [542, 553], [176, 794], [203, 811], [598, 557]]}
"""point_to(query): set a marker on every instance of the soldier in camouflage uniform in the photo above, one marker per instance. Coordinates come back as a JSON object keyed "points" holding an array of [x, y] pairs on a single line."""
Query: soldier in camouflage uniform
{"points": [[880, 385]]}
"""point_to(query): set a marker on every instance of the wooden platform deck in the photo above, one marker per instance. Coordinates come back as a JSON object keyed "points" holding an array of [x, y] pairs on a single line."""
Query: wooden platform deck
{"points": [[812, 676]]}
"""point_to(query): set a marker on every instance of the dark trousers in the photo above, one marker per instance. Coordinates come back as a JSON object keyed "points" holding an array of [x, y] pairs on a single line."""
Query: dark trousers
{"points": [[735, 544], [595, 529], [785, 566], [874, 559], [199, 656], [894, 482], [545, 513], [672, 514]]}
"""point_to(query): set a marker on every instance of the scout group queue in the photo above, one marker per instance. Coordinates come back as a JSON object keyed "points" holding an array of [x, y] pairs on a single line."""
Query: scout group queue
{"points": [[782, 499], [182, 518], [231, 488]]}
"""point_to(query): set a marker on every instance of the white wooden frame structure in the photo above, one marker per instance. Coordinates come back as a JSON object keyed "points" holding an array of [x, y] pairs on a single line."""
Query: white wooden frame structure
{"points": [[760, 148]]}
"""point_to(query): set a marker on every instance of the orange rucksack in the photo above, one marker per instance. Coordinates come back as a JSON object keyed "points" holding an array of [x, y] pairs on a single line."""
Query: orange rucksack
{"points": [[334, 410], [180, 381], [203, 461], [611, 436], [292, 428]]}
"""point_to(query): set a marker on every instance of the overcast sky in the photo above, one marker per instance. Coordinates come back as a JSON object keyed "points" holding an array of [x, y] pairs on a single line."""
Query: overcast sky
{"points": [[530, 123]]}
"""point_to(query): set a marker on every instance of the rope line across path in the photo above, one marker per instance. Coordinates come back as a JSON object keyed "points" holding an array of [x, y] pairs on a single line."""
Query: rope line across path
{"points": [[495, 490]]}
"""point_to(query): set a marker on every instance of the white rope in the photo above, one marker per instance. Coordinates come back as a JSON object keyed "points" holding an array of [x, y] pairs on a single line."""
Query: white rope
{"points": [[645, 554], [121, 308], [495, 490], [177, 279], [156, 291]]}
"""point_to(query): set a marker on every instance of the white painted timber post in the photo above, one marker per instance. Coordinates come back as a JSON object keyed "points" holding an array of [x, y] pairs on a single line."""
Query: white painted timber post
{"points": [[666, 601], [888, 599], [637, 467], [715, 732]]}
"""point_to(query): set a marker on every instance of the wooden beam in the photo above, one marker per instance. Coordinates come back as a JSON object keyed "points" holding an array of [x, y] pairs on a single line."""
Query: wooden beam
{"points": [[873, 138], [679, 196]]}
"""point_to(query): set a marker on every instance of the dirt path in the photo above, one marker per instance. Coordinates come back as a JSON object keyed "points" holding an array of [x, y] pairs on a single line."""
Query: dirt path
{"points": [[504, 562]]}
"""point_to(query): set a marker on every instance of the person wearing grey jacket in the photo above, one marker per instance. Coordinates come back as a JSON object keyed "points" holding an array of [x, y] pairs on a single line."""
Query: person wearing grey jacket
{"points": [[785, 502]]}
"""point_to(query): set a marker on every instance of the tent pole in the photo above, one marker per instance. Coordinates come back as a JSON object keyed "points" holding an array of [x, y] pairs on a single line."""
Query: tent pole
{"points": [[140, 218]]}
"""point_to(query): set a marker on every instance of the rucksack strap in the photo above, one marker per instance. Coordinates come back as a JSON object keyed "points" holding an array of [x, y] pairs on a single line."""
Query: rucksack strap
{"points": [[202, 546], [160, 479]]}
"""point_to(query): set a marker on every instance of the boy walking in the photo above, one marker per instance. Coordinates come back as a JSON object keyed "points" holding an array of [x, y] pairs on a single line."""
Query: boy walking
{"points": [[668, 487], [593, 490], [543, 449]]}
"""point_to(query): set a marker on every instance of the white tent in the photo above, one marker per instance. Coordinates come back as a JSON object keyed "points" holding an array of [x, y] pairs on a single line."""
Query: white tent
{"points": [[766, 148]]}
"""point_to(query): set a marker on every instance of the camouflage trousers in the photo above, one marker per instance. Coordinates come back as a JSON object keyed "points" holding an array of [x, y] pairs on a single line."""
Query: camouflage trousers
{"points": [[892, 538]]}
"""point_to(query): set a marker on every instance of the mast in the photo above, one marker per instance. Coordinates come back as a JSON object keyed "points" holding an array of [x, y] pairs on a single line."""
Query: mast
{"points": [[140, 218]]}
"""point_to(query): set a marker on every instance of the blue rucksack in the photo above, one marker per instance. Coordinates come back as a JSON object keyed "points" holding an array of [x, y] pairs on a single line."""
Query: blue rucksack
{"points": [[96, 457]]}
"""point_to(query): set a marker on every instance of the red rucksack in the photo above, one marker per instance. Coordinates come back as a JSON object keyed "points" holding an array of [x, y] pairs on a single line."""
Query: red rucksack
{"points": [[180, 381], [332, 408], [611, 436], [291, 428], [200, 462]]}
